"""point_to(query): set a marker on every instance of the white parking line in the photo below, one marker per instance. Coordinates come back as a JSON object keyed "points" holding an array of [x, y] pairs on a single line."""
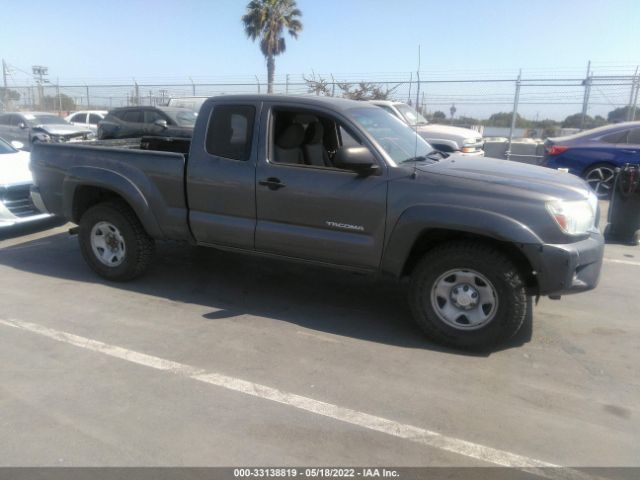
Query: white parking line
{"points": [[623, 262], [371, 422]]}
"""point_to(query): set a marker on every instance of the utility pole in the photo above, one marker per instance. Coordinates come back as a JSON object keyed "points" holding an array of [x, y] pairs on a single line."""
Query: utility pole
{"points": [[39, 72], [587, 91]]}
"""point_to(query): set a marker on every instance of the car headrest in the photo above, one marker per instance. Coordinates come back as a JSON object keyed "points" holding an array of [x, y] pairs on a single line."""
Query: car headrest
{"points": [[314, 134], [291, 137]]}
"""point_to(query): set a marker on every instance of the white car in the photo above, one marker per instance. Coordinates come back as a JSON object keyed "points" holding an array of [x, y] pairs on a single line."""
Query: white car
{"points": [[87, 118], [16, 206], [192, 103], [441, 137]]}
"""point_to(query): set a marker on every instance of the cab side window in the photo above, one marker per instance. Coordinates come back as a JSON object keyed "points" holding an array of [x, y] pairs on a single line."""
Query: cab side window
{"points": [[308, 138], [230, 132]]}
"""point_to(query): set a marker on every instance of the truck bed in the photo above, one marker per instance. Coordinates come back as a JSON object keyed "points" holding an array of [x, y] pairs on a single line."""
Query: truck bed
{"points": [[150, 169]]}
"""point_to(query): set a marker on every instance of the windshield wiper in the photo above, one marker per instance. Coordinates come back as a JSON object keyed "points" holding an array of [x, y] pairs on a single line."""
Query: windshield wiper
{"points": [[419, 158], [434, 154]]}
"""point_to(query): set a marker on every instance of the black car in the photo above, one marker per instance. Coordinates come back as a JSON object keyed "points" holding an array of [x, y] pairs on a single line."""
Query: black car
{"points": [[132, 122]]}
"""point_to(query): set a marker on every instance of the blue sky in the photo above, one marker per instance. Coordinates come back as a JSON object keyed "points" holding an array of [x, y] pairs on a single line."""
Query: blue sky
{"points": [[167, 40], [83, 39]]}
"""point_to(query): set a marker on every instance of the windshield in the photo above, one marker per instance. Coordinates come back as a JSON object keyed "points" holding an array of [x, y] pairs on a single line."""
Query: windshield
{"points": [[6, 148], [396, 138], [45, 120], [410, 115], [184, 119]]}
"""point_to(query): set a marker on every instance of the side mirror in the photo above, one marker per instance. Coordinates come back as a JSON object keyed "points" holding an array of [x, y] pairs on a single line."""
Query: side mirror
{"points": [[161, 123], [22, 125], [358, 159], [17, 145]]}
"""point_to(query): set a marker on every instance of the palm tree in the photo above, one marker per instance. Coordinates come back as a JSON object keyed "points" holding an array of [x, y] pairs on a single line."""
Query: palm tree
{"points": [[266, 19]]}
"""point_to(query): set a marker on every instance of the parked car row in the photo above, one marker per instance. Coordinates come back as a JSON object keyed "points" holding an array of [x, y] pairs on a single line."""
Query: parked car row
{"points": [[595, 154], [31, 127], [16, 206]]}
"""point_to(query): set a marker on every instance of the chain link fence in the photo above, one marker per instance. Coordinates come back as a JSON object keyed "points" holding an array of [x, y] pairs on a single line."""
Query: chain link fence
{"points": [[498, 107]]}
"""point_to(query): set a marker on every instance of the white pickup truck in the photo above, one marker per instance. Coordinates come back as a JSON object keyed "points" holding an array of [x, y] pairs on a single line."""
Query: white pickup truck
{"points": [[442, 137]]}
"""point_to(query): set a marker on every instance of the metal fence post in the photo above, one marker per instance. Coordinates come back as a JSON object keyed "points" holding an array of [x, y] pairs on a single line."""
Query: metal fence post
{"points": [[632, 96], [514, 114], [587, 92], [410, 81], [258, 82], [632, 113], [193, 87]]}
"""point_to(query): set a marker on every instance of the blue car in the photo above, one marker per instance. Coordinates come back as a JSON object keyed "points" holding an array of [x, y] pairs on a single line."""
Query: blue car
{"points": [[594, 154]]}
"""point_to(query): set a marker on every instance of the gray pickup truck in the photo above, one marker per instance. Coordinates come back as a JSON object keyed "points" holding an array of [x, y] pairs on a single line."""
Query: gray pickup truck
{"points": [[343, 184]]}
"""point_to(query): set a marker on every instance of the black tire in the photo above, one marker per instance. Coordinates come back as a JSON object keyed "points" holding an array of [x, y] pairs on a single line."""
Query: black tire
{"points": [[139, 245], [508, 285], [603, 193]]}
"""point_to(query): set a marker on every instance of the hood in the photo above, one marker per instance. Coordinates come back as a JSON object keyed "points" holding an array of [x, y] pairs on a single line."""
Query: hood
{"points": [[14, 168], [525, 178], [61, 129], [447, 132]]}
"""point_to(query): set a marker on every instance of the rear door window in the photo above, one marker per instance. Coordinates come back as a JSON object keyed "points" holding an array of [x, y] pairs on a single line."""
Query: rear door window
{"points": [[151, 116], [634, 136], [231, 131], [133, 116], [94, 119], [617, 137], [79, 118]]}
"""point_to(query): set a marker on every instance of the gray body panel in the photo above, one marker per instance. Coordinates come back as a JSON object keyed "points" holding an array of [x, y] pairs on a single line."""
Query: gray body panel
{"points": [[323, 215]]}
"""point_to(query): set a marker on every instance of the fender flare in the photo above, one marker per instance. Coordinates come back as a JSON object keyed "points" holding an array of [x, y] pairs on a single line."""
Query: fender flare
{"points": [[85, 176], [419, 219]]}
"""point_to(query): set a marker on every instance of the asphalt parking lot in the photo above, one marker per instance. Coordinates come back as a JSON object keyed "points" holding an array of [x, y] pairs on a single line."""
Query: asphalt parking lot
{"points": [[219, 359]]}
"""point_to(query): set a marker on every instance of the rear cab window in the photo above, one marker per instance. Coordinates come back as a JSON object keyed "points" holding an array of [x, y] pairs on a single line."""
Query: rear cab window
{"points": [[230, 131]]}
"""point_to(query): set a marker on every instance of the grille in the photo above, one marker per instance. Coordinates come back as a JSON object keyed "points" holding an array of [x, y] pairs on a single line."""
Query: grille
{"points": [[18, 201]]}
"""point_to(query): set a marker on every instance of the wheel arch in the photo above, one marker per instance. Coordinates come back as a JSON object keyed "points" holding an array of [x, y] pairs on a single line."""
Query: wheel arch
{"points": [[422, 228], [85, 187]]}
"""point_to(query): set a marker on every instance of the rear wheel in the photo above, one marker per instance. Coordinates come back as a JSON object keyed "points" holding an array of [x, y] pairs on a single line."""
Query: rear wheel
{"points": [[600, 178], [113, 241], [468, 295]]}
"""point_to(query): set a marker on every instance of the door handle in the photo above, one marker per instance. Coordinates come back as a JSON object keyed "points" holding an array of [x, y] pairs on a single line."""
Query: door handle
{"points": [[272, 182]]}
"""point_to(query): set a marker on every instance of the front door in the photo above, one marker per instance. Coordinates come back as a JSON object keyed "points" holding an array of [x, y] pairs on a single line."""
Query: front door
{"points": [[307, 207]]}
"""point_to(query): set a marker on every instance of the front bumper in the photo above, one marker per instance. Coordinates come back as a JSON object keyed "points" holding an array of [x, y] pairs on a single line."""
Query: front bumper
{"points": [[567, 268], [19, 210]]}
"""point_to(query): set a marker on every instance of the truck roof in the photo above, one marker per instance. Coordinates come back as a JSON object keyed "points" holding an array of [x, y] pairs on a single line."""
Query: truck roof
{"points": [[336, 103]]}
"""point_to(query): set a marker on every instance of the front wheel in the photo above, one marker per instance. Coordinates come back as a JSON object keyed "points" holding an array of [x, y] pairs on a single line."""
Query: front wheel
{"points": [[600, 178], [113, 241], [468, 295]]}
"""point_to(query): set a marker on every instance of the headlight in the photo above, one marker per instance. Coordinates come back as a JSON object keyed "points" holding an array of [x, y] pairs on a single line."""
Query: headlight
{"points": [[574, 218]]}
